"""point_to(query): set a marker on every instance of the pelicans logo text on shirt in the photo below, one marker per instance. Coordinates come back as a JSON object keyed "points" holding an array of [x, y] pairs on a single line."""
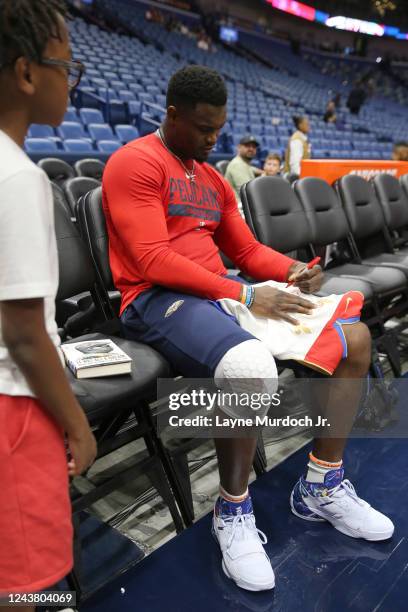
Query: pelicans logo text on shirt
{"points": [[193, 200]]}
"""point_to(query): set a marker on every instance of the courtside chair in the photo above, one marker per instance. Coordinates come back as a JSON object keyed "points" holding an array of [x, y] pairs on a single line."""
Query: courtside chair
{"points": [[92, 168], [116, 407], [57, 170]]}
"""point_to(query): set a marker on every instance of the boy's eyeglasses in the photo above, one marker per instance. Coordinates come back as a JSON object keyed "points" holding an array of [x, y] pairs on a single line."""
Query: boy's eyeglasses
{"points": [[75, 69]]}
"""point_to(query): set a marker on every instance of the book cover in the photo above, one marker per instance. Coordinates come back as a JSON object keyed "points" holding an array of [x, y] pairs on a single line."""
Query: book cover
{"points": [[94, 358]]}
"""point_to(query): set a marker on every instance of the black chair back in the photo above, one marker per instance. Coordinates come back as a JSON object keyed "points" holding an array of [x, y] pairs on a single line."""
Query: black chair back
{"points": [[57, 170], [323, 210], [365, 215], [77, 187], [274, 214], [393, 200], [76, 273], [222, 166], [93, 228], [92, 168]]}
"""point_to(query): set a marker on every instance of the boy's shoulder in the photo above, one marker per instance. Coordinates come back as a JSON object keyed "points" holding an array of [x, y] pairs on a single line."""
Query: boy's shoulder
{"points": [[14, 161]]}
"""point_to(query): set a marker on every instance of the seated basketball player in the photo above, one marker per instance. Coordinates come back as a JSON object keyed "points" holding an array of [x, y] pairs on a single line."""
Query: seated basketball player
{"points": [[169, 213]]}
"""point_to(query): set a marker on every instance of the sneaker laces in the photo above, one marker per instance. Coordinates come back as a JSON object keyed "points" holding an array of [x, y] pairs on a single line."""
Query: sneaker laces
{"points": [[244, 525], [345, 488]]}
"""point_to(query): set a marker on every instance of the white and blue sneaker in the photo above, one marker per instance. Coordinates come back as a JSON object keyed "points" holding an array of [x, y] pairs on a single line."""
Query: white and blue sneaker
{"points": [[337, 502], [243, 557]]}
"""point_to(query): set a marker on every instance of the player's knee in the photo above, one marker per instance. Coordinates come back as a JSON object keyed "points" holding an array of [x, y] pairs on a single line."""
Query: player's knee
{"points": [[358, 346], [247, 370]]}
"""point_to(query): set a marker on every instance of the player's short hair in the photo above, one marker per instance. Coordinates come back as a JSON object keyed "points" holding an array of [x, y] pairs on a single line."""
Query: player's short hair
{"points": [[26, 27], [194, 84], [273, 156]]}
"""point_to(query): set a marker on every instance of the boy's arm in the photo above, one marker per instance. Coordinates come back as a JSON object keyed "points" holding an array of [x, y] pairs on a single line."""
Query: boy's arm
{"points": [[27, 340]]}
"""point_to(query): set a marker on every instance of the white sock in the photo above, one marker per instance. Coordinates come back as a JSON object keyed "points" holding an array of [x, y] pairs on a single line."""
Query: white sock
{"points": [[236, 499], [317, 469]]}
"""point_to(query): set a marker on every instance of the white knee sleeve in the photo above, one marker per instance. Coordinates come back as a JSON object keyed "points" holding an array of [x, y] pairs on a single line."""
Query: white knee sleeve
{"points": [[247, 369]]}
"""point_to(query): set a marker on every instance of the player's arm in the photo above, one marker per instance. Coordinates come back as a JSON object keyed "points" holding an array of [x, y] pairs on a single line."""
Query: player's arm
{"points": [[30, 347], [132, 186]]}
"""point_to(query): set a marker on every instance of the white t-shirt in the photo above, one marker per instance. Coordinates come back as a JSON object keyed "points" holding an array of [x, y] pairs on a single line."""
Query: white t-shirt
{"points": [[28, 250]]}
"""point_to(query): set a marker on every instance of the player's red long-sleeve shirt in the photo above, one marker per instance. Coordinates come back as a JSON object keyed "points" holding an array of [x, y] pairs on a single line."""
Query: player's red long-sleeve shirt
{"points": [[164, 230]]}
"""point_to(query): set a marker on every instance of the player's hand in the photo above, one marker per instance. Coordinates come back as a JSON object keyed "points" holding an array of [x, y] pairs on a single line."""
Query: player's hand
{"points": [[308, 281], [82, 446], [275, 304]]}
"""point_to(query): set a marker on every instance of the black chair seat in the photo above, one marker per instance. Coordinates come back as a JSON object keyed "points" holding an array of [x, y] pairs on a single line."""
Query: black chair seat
{"points": [[338, 284], [384, 280], [100, 396], [398, 261]]}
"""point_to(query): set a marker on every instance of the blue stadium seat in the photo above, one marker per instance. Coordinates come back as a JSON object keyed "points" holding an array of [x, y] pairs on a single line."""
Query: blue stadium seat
{"points": [[126, 133], [41, 131], [127, 96], [108, 146], [78, 146], [135, 109], [71, 114], [101, 131], [72, 130], [40, 145], [91, 115]]}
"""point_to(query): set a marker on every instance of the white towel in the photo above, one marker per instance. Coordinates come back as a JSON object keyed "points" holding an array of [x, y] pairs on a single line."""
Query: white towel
{"points": [[318, 341]]}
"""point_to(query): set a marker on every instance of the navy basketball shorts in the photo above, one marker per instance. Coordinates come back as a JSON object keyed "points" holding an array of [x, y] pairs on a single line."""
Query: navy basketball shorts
{"points": [[192, 333]]}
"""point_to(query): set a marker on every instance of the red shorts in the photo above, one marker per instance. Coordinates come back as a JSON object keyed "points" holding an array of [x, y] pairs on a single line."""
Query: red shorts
{"points": [[35, 510]]}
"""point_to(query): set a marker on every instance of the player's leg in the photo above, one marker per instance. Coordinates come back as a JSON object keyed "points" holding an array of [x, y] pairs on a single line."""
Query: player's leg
{"points": [[323, 494], [200, 340]]}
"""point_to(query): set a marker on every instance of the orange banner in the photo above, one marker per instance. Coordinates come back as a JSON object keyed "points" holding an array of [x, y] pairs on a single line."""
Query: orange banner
{"points": [[332, 169]]}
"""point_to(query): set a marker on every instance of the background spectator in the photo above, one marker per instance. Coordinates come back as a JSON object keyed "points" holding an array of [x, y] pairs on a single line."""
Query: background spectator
{"points": [[272, 165], [298, 146]]}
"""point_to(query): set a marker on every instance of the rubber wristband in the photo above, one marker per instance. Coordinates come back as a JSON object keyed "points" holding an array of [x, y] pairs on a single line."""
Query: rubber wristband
{"points": [[243, 296], [250, 291], [252, 299]]}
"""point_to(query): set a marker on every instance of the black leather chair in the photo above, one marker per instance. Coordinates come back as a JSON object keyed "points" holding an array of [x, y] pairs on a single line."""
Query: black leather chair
{"points": [[277, 219], [57, 170], [394, 202], [117, 407], [329, 224], [75, 188], [59, 196], [92, 168], [94, 232], [222, 166], [368, 224]]}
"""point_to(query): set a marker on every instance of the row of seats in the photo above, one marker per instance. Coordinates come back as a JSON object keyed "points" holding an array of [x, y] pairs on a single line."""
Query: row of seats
{"points": [[369, 219]]}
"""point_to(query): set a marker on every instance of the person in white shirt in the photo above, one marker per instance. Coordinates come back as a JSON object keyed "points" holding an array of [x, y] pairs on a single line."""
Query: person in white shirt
{"points": [[37, 406], [298, 146]]}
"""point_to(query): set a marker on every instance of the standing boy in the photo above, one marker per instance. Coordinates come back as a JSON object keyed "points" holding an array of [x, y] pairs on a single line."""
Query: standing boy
{"points": [[37, 405]]}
